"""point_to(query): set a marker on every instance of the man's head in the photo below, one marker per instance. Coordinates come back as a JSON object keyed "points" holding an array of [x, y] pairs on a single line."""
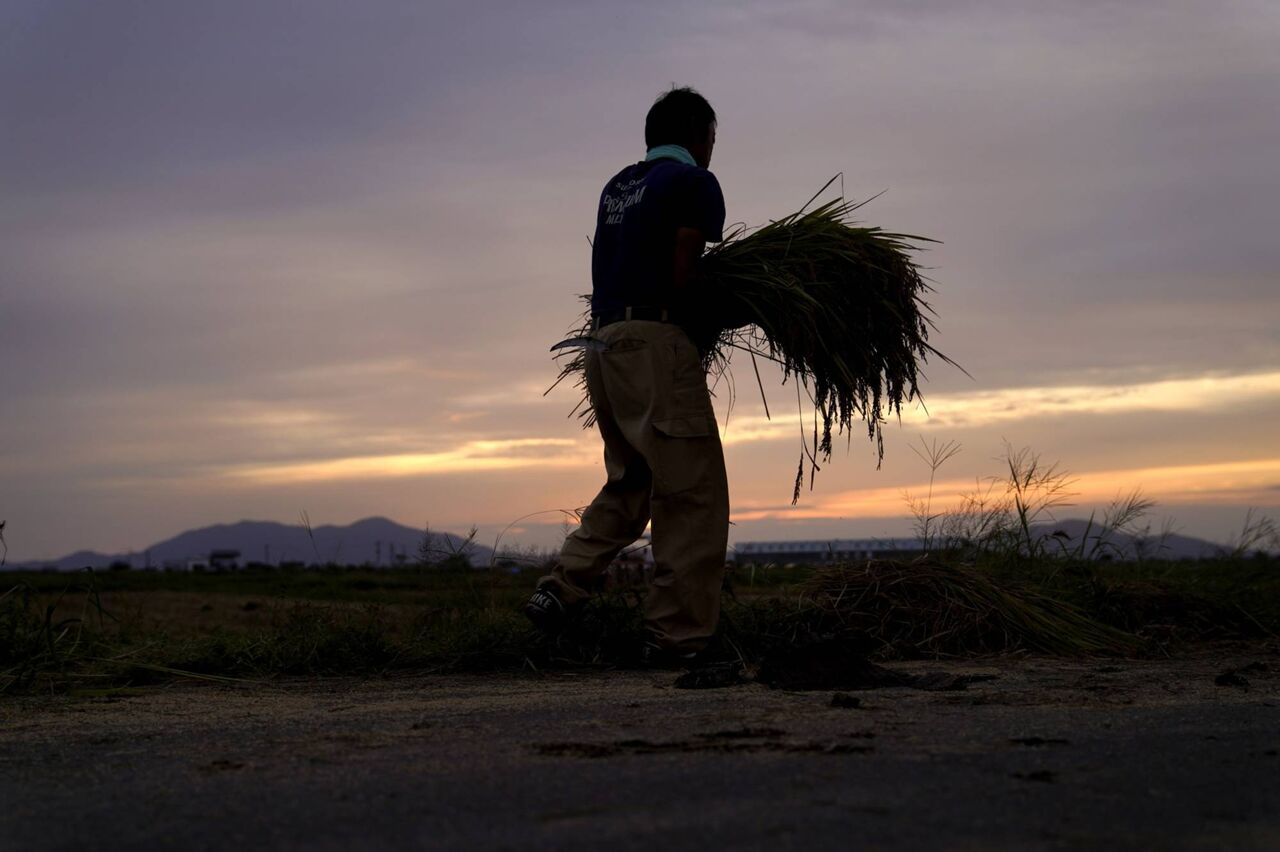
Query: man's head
{"points": [[682, 117]]}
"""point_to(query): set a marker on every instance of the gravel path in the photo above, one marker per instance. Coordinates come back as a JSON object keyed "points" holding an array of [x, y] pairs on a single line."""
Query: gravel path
{"points": [[1048, 755]]}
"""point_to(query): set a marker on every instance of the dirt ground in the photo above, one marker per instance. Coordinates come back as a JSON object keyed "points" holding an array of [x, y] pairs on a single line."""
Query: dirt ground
{"points": [[1175, 753]]}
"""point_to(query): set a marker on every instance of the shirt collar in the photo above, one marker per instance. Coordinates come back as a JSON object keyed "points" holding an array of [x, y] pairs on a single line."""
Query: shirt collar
{"points": [[671, 152]]}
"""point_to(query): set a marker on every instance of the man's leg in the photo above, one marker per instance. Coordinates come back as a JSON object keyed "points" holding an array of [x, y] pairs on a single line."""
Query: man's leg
{"points": [[614, 520], [675, 430], [618, 514], [690, 534]]}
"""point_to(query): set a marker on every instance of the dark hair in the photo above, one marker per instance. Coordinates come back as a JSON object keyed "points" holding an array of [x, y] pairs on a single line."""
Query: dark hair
{"points": [[679, 117]]}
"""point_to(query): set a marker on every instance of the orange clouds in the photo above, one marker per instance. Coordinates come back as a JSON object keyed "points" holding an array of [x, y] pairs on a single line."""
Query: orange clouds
{"points": [[472, 456], [1005, 405], [1234, 483]]}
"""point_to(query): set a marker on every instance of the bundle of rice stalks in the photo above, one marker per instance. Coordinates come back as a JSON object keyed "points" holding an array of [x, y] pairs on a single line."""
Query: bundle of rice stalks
{"points": [[928, 608], [838, 306]]}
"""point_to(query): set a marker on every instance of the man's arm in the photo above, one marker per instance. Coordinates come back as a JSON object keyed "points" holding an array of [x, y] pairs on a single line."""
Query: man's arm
{"points": [[689, 245]]}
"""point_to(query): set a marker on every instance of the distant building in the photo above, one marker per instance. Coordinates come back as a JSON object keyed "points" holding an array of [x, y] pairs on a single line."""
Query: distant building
{"points": [[819, 552], [225, 560], [633, 567]]}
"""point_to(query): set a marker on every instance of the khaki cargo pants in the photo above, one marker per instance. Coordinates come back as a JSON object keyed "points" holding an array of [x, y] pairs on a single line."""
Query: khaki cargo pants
{"points": [[664, 462]]}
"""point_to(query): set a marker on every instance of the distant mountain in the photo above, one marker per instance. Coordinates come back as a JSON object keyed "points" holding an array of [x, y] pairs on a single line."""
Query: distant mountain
{"points": [[375, 541], [1122, 545], [75, 561]]}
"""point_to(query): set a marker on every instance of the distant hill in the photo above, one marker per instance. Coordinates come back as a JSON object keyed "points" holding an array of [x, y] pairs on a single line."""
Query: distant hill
{"points": [[357, 544], [273, 543], [1124, 546]]}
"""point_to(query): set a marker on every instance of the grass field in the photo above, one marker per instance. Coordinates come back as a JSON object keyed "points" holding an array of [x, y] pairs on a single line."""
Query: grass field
{"points": [[96, 630]]}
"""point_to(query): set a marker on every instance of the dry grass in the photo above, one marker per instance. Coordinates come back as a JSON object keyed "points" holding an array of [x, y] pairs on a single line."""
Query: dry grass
{"points": [[145, 628], [929, 608]]}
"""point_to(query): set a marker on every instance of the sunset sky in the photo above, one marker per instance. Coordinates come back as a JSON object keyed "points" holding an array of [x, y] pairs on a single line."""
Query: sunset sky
{"points": [[259, 258]]}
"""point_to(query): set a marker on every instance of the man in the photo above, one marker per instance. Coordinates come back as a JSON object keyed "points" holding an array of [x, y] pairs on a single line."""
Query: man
{"points": [[662, 452]]}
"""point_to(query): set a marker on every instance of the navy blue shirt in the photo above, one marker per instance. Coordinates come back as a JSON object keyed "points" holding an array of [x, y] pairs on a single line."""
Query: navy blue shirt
{"points": [[633, 254]]}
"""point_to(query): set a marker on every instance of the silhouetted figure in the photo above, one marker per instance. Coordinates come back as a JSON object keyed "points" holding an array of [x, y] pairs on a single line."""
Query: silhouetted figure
{"points": [[648, 389]]}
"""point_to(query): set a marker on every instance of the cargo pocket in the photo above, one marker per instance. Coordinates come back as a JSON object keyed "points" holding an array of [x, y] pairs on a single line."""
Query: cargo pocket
{"points": [[683, 454], [695, 426]]}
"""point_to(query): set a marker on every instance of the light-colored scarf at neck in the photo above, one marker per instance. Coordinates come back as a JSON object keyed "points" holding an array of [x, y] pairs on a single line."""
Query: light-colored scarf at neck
{"points": [[671, 152]]}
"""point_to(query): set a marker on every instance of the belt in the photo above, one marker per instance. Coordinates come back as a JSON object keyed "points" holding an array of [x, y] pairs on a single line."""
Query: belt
{"points": [[639, 312]]}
